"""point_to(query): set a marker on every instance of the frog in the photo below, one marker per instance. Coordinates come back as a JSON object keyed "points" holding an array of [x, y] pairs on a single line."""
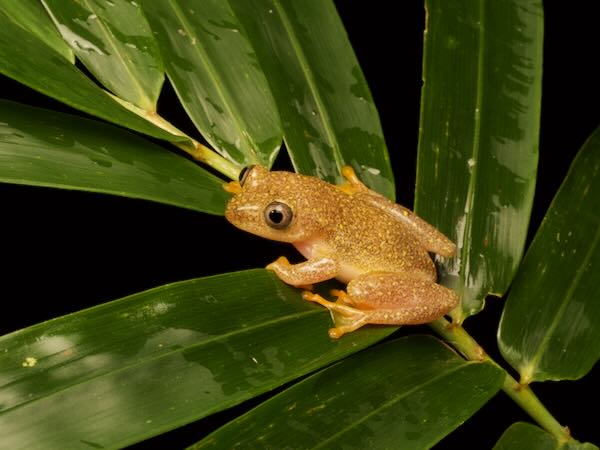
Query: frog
{"points": [[379, 249]]}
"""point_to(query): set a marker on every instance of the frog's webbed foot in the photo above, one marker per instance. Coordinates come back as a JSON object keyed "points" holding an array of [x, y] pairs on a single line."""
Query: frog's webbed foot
{"points": [[345, 318]]}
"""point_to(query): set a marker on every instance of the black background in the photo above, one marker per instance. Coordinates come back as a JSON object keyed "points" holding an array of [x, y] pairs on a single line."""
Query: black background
{"points": [[63, 251]]}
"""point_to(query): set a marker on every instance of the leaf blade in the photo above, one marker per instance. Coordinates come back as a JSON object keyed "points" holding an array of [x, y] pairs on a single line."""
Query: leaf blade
{"points": [[369, 401], [549, 327], [31, 62], [141, 365], [213, 69], [30, 15], [526, 435], [479, 145], [327, 112], [116, 44], [45, 148]]}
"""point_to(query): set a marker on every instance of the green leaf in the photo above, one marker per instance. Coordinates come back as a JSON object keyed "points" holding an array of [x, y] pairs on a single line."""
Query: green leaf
{"points": [[213, 69], [115, 43], [326, 108], [522, 435], [478, 141], [550, 326], [30, 15], [30, 61], [45, 148], [133, 368], [406, 394]]}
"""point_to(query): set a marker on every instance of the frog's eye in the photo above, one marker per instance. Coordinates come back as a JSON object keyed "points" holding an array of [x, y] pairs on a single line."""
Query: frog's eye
{"points": [[244, 174], [278, 215]]}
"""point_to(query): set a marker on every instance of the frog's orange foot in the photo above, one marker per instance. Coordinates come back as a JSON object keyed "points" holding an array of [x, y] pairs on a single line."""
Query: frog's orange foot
{"points": [[233, 187], [316, 298], [345, 317], [281, 261], [341, 296], [337, 293], [347, 188], [352, 184], [349, 174]]}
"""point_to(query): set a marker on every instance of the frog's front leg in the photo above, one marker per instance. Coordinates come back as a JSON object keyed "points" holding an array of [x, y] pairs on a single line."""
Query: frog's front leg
{"points": [[306, 273], [386, 298]]}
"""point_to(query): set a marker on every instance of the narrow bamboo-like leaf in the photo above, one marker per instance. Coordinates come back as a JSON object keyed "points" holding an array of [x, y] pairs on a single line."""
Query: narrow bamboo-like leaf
{"points": [[131, 369], [327, 112], [115, 43], [522, 435], [478, 141], [550, 327], [27, 59], [45, 148], [213, 69], [405, 394], [30, 15]]}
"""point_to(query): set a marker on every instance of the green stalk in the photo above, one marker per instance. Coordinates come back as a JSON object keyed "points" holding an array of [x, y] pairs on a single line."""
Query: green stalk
{"points": [[521, 394], [192, 147], [205, 155]]}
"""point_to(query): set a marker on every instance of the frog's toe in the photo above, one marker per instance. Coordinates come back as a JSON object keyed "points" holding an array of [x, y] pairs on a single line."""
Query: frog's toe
{"points": [[335, 333], [346, 324], [337, 293], [281, 261], [316, 298]]}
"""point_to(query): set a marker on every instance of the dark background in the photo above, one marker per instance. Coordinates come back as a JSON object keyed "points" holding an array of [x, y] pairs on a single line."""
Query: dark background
{"points": [[63, 251]]}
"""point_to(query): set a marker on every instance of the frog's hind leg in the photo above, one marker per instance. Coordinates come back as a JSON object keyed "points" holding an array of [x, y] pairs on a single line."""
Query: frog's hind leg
{"points": [[396, 299], [388, 299]]}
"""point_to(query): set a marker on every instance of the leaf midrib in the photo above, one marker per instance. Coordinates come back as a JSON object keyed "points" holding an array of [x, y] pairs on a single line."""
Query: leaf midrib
{"points": [[532, 365], [212, 73], [311, 82], [144, 99], [476, 143]]}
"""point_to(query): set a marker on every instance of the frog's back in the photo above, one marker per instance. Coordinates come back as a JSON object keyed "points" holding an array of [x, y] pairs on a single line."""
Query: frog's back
{"points": [[372, 241]]}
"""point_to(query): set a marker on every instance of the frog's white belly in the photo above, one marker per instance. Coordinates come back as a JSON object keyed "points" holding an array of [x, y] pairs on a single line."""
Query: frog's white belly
{"points": [[318, 249]]}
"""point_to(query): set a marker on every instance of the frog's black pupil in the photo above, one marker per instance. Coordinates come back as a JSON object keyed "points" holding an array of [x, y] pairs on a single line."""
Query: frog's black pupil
{"points": [[275, 216], [278, 215]]}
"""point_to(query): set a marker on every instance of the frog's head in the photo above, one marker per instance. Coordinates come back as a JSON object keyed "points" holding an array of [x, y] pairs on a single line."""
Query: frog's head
{"points": [[282, 206]]}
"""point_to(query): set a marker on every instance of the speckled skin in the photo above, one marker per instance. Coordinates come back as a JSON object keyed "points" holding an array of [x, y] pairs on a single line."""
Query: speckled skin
{"points": [[353, 234]]}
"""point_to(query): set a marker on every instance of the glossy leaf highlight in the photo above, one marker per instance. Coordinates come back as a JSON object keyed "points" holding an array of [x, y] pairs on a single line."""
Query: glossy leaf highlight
{"points": [[44, 148], [407, 393], [30, 61], [550, 326], [214, 71], [115, 43], [478, 141], [527, 436], [327, 112], [30, 15], [130, 369]]}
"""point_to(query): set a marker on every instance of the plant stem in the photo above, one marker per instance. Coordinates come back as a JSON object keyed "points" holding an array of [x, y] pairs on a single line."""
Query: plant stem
{"points": [[198, 151], [192, 147], [521, 394], [205, 155]]}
